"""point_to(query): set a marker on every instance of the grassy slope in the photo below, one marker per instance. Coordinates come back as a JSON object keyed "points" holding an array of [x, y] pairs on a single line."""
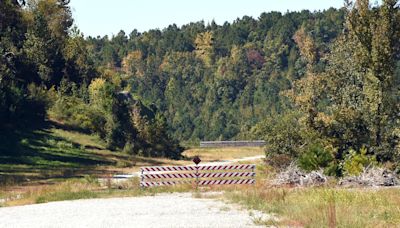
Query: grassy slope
{"points": [[53, 152]]}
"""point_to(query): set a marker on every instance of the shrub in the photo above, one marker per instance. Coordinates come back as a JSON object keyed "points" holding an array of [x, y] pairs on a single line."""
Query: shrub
{"points": [[282, 134], [90, 179], [355, 161], [123, 164], [315, 157], [279, 161], [129, 148]]}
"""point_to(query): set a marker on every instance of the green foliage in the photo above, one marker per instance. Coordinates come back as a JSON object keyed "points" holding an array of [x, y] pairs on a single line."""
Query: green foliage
{"points": [[217, 81], [355, 161], [279, 161], [352, 100], [315, 157], [121, 121], [282, 134], [47, 68]]}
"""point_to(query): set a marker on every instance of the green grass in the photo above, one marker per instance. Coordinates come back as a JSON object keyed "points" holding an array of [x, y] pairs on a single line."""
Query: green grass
{"points": [[53, 151], [66, 195]]}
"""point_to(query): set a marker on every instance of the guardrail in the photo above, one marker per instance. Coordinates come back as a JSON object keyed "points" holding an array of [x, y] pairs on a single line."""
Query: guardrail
{"points": [[199, 175], [258, 143]]}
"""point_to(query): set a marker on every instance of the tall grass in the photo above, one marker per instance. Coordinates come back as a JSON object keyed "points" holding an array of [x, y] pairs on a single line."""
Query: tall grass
{"points": [[325, 207], [84, 188]]}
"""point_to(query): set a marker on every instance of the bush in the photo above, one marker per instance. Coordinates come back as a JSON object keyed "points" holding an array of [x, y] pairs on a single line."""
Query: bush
{"points": [[279, 161], [129, 148], [282, 134], [355, 161], [315, 157]]}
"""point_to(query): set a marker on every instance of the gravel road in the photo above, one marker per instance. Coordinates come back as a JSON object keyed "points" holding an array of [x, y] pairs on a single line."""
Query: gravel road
{"points": [[165, 210]]}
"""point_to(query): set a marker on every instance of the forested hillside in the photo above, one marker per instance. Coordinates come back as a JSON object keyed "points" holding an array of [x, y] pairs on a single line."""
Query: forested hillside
{"points": [[47, 73], [216, 81], [322, 88]]}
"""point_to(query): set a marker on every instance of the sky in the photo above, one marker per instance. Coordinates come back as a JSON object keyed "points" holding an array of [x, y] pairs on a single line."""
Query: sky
{"points": [[108, 17]]}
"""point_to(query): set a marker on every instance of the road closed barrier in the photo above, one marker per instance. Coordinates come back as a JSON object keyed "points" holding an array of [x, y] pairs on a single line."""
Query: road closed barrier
{"points": [[199, 175]]}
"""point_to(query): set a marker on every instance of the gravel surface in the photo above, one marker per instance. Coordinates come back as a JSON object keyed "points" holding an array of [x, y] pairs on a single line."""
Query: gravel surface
{"points": [[165, 210]]}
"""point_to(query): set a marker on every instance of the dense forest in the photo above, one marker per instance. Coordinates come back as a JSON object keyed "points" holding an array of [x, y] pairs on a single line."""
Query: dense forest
{"points": [[216, 81], [321, 87]]}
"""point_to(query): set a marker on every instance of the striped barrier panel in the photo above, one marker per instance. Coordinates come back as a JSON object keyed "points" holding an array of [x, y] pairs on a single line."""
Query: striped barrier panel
{"points": [[173, 175], [194, 168]]}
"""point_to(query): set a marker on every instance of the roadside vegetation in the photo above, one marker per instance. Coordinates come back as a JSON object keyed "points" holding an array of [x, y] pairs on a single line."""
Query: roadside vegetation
{"points": [[323, 206]]}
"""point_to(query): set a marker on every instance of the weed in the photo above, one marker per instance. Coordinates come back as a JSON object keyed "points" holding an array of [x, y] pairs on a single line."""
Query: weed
{"points": [[24, 142], [66, 195], [123, 164], [90, 179], [225, 208], [331, 212]]}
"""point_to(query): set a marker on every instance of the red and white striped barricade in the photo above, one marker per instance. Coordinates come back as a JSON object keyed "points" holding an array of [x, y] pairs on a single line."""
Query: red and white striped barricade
{"points": [[200, 175]]}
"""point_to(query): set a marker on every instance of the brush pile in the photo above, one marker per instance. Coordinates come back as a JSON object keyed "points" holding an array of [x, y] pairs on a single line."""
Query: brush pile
{"points": [[371, 177], [294, 176]]}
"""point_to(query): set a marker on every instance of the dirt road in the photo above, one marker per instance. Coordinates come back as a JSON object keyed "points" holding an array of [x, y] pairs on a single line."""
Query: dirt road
{"points": [[166, 210]]}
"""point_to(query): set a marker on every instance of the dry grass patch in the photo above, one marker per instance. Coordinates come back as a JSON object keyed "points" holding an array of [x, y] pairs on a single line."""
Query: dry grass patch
{"points": [[324, 207], [84, 188]]}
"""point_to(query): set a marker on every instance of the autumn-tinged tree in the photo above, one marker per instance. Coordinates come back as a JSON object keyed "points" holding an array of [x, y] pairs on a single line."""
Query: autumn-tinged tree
{"points": [[377, 34], [133, 63], [204, 47], [353, 103]]}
